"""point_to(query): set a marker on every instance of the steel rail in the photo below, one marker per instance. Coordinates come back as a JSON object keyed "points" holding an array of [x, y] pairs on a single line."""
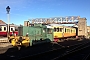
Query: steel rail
{"points": [[86, 57]]}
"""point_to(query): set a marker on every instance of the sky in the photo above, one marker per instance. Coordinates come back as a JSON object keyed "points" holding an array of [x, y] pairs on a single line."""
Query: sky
{"points": [[23, 10]]}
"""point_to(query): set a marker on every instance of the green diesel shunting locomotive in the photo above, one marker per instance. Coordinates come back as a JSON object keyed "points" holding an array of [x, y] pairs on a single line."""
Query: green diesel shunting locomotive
{"points": [[32, 35]]}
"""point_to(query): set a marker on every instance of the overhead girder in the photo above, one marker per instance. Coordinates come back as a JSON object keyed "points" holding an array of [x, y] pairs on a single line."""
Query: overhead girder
{"points": [[57, 20]]}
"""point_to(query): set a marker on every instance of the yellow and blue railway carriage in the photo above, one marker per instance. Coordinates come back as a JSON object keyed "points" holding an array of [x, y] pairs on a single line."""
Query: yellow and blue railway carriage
{"points": [[61, 31]]}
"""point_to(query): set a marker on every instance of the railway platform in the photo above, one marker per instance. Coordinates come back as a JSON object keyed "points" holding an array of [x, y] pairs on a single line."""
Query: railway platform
{"points": [[2, 45], [4, 39], [4, 42]]}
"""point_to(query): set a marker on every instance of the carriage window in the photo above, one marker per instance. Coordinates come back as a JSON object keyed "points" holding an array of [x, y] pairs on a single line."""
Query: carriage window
{"points": [[49, 30], [4, 28], [11, 29], [0, 28], [65, 29], [61, 29], [55, 29], [71, 31], [68, 30]]}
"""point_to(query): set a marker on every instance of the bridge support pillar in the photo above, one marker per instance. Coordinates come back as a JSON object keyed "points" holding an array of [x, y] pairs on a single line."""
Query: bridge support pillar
{"points": [[82, 27]]}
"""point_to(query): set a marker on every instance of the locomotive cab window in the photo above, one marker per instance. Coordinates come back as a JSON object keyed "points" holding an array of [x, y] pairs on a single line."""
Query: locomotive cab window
{"points": [[44, 30], [49, 30]]}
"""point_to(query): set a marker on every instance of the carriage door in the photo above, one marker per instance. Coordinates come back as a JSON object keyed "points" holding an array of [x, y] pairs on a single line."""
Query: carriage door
{"points": [[50, 33]]}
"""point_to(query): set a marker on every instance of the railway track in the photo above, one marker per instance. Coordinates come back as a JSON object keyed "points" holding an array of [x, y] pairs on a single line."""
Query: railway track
{"points": [[54, 54], [76, 54], [14, 54]]}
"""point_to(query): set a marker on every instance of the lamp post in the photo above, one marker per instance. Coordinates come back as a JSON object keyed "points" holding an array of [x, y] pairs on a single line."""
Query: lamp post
{"points": [[8, 10]]}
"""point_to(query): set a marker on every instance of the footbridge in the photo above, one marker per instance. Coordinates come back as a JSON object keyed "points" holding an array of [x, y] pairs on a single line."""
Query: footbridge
{"points": [[80, 22]]}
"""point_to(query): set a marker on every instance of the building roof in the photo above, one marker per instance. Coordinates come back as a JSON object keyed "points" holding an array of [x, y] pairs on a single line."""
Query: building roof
{"points": [[2, 22]]}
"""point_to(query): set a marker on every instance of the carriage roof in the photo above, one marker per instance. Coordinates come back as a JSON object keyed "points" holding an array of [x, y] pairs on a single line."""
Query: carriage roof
{"points": [[57, 25]]}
